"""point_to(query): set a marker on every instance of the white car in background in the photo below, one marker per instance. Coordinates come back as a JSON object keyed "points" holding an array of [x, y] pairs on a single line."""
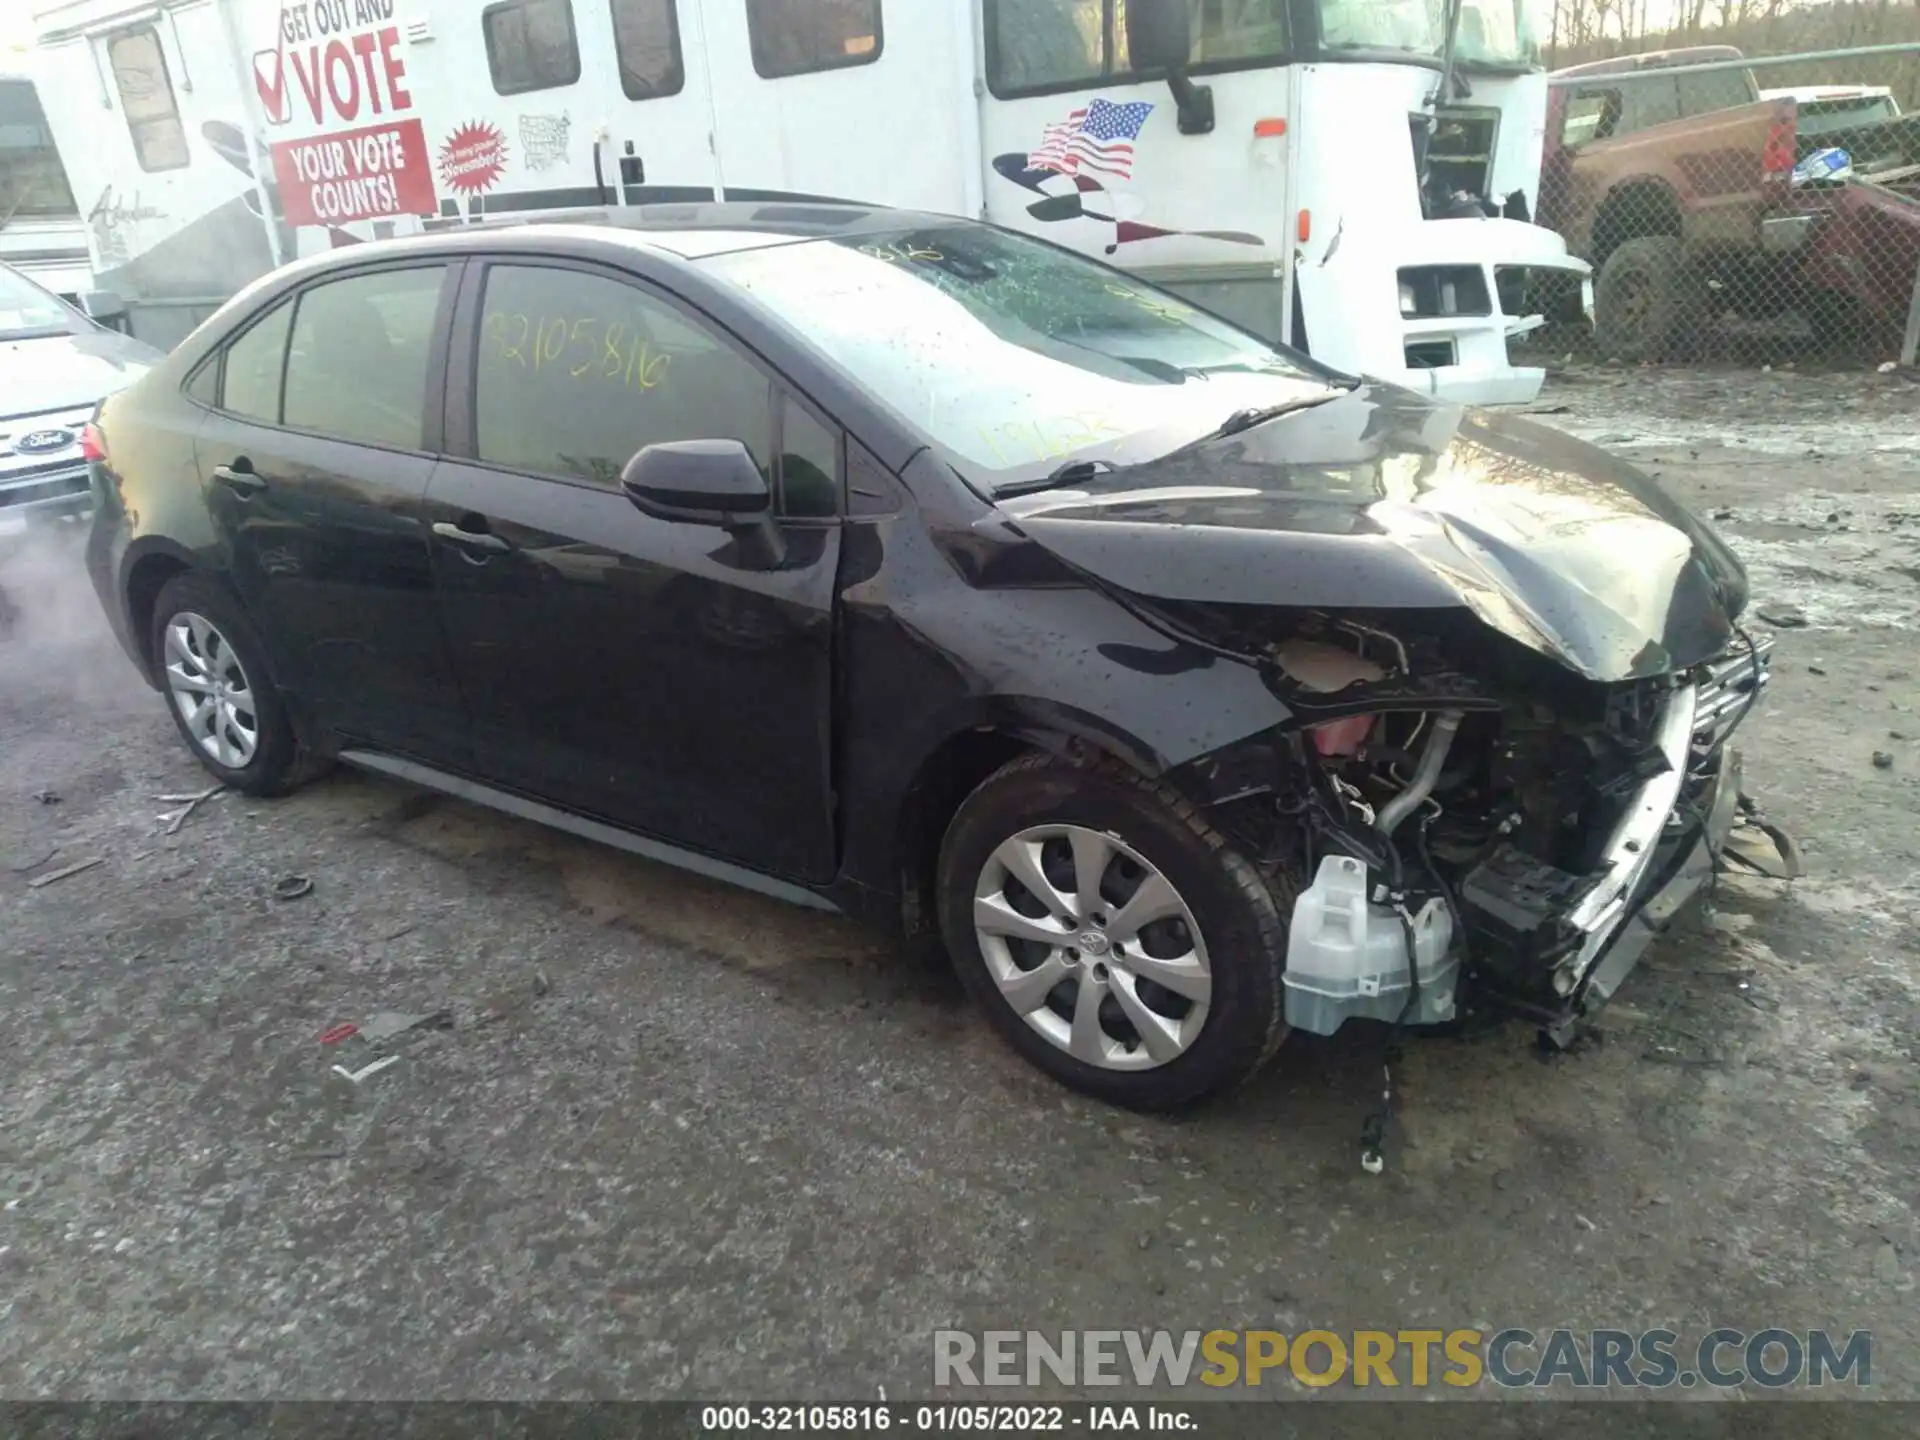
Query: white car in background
{"points": [[1826, 108], [56, 364]]}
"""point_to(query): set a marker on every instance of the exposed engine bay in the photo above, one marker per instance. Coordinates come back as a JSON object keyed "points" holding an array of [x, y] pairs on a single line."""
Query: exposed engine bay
{"points": [[1470, 826]]}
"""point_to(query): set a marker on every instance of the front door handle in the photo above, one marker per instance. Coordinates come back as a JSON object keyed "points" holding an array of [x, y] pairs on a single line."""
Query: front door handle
{"points": [[243, 483], [472, 539]]}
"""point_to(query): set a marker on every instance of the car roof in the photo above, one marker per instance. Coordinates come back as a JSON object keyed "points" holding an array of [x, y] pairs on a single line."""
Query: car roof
{"points": [[690, 231], [1654, 60]]}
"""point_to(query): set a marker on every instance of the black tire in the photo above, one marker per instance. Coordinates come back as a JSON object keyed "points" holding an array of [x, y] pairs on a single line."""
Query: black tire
{"points": [[278, 763], [1837, 321], [1646, 303], [1242, 919]]}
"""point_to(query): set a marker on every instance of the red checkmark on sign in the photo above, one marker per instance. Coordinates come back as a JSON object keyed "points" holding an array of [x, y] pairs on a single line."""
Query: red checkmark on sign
{"points": [[270, 80]]}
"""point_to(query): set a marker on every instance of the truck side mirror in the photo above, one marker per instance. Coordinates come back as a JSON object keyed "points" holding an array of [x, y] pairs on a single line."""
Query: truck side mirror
{"points": [[1160, 39]]}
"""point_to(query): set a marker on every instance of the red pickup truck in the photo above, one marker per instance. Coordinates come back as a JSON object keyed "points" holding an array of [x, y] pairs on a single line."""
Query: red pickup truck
{"points": [[1677, 184], [1671, 185]]}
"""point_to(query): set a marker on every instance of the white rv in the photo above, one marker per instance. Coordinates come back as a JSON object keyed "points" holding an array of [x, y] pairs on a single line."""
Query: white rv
{"points": [[41, 233], [1352, 175]]}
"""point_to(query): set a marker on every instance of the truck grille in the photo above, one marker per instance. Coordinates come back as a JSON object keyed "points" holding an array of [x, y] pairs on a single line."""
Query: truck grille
{"points": [[48, 485]]}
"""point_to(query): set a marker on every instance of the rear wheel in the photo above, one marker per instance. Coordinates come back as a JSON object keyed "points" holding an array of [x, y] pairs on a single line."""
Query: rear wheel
{"points": [[213, 670], [1111, 935], [1646, 304]]}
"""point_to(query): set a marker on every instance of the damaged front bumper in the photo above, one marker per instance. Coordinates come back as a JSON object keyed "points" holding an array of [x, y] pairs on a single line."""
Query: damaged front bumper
{"points": [[1434, 311], [1520, 937]]}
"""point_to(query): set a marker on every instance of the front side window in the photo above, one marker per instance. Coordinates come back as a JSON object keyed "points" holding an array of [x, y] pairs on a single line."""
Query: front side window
{"points": [[577, 373], [809, 464], [531, 45], [797, 37], [1010, 354], [33, 183], [146, 98], [646, 42], [255, 363], [357, 364], [1058, 44]]}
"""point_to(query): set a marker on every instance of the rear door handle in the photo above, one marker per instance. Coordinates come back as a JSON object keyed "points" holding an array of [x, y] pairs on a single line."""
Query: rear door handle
{"points": [[472, 539], [243, 483]]}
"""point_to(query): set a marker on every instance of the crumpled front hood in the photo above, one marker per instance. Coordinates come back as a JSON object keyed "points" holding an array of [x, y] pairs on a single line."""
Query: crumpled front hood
{"points": [[66, 372], [1381, 499]]}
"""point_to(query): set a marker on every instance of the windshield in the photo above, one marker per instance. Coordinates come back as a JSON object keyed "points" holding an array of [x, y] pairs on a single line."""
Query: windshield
{"points": [[1825, 117], [1014, 356], [33, 186], [1495, 34], [26, 309]]}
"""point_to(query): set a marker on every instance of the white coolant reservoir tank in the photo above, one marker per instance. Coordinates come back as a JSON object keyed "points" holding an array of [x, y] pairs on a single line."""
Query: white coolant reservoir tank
{"points": [[1347, 957]]}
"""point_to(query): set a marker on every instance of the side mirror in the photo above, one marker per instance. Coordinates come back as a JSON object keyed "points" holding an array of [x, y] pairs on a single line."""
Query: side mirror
{"points": [[103, 307], [708, 482], [1160, 39]]}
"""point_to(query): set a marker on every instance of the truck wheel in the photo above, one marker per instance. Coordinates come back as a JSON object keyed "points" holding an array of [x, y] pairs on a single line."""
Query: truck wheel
{"points": [[1838, 321], [1644, 302], [1113, 937]]}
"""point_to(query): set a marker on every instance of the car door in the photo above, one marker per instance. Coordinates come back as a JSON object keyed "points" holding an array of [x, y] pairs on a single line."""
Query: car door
{"points": [[644, 671], [315, 462]]}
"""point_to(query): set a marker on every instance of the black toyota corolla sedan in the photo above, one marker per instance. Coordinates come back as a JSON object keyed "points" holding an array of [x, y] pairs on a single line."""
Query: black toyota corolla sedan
{"points": [[902, 565]]}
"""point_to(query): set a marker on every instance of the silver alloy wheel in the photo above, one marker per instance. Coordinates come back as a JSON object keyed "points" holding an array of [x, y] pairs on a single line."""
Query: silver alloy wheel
{"points": [[1092, 947], [210, 686]]}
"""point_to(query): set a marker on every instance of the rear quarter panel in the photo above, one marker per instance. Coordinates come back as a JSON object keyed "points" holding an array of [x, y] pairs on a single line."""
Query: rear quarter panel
{"points": [[150, 504]]}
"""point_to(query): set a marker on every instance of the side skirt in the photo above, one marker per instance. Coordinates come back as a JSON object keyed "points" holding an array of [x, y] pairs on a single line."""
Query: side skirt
{"points": [[480, 794]]}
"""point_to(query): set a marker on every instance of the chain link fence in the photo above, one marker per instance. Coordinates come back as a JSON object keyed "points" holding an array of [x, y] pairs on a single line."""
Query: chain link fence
{"points": [[1739, 207]]}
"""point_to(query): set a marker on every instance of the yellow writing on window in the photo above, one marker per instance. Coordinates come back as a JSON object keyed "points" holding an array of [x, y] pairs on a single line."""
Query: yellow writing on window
{"points": [[1021, 442], [602, 351], [905, 253], [1167, 310]]}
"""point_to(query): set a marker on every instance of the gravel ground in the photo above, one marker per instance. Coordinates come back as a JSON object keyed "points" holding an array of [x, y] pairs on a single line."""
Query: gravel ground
{"points": [[678, 1141]]}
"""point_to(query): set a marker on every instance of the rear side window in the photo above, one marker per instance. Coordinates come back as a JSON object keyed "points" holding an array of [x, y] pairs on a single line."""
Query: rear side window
{"points": [[205, 384], [146, 98], [797, 37], [577, 373], [531, 45], [255, 363], [357, 364], [1716, 90], [1654, 100], [646, 41]]}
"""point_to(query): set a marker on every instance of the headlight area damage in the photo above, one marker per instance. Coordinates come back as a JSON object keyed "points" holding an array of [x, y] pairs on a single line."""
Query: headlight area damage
{"points": [[1472, 827]]}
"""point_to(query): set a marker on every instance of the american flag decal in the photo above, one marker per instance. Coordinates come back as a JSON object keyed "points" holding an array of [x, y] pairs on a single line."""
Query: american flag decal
{"points": [[1098, 138]]}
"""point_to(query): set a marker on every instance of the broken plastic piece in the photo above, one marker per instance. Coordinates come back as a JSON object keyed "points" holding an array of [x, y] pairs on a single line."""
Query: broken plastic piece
{"points": [[356, 1076], [339, 1033]]}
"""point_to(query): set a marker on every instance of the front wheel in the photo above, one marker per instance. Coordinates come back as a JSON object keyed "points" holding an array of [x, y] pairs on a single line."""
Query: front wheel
{"points": [[1111, 935]]}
